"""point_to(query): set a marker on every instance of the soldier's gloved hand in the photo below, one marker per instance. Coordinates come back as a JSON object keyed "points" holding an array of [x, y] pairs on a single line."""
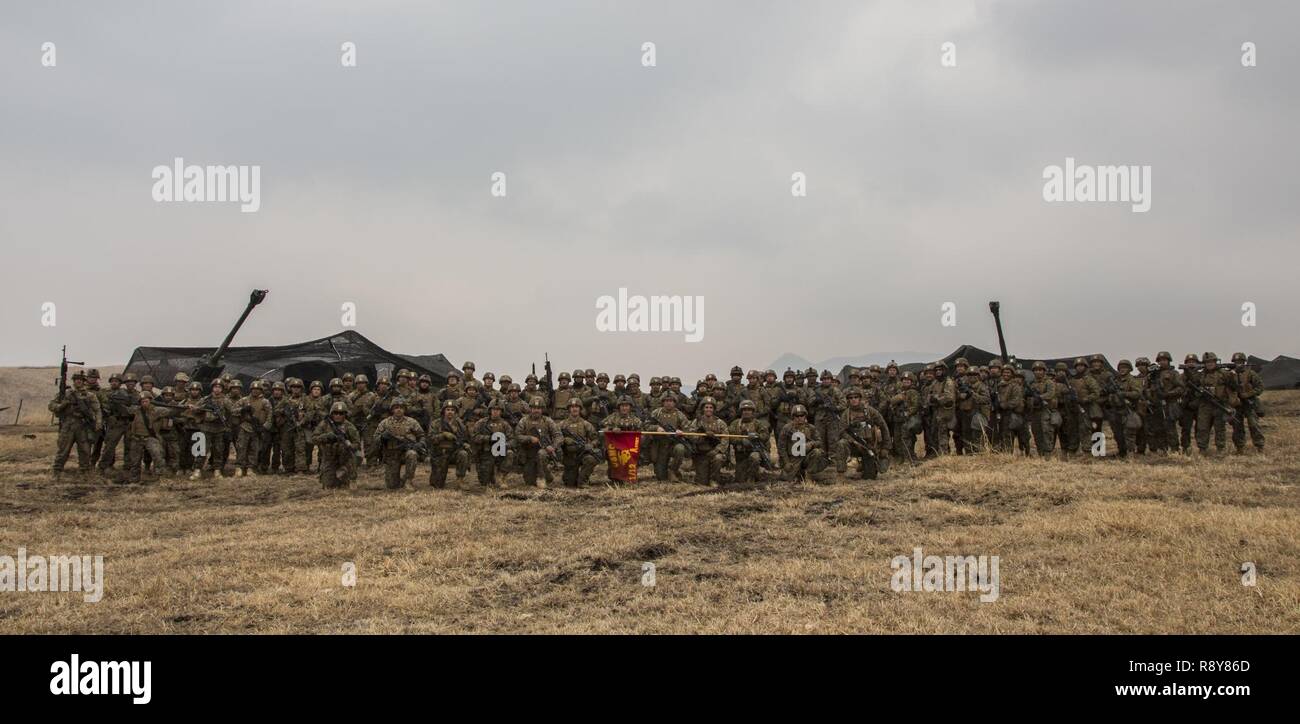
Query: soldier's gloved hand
{"points": [[449, 437]]}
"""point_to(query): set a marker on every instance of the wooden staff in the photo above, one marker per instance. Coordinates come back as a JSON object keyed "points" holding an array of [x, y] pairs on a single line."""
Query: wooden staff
{"points": [[686, 434]]}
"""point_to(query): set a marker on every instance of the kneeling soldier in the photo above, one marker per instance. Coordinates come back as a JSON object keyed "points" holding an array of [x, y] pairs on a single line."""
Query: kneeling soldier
{"points": [[449, 444], [802, 455], [539, 438], [751, 454], [710, 451], [671, 450], [493, 451], [579, 445], [339, 444]]}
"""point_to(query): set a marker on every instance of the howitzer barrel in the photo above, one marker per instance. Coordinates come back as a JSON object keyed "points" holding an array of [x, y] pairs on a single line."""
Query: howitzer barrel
{"points": [[211, 367], [996, 309]]}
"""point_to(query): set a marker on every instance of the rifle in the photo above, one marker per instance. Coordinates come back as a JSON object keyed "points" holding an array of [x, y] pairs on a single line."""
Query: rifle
{"points": [[210, 405], [583, 444], [677, 435], [343, 437], [63, 373], [460, 437], [404, 444], [548, 381], [1203, 393], [375, 408], [755, 445], [1157, 390], [857, 439]]}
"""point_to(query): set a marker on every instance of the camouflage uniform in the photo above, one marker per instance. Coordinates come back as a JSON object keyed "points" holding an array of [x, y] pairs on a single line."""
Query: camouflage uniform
{"points": [[213, 414], [394, 433], [253, 412], [1222, 386], [579, 459], [1043, 410], [749, 453], [866, 423], [710, 453], [314, 412], [943, 406], [79, 419], [670, 451], [1191, 403], [538, 438], [1249, 386], [812, 461], [491, 467], [118, 413], [904, 419], [338, 455], [449, 444], [280, 430]]}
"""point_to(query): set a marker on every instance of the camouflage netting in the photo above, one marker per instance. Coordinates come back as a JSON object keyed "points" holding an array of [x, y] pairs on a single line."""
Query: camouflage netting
{"points": [[1282, 373], [319, 359]]}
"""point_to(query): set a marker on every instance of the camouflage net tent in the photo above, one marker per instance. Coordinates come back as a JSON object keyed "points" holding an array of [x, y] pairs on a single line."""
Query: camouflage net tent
{"points": [[319, 359], [978, 357], [1282, 373]]}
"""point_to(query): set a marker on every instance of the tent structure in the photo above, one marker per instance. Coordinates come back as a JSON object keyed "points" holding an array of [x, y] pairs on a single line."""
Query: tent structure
{"points": [[318, 359], [978, 357], [1282, 373]]}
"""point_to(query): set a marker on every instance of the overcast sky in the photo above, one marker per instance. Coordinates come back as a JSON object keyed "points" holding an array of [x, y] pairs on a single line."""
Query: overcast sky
{"points": [[924, 182]]}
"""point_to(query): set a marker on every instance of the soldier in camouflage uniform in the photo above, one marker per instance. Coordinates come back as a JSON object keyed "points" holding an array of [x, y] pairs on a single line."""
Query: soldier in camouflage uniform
{"points": [[168, 433], [449, 444], [803, 453], [1011, 408], [905, 417], [1151, 434], [826, 406], [252, 413], [861, 424], [397, 439], [1221, 384], [925, 390], [424, 403], [1190, 408], [212, 415], [1087, 391], [79, 419], [972, 407], [559, 402], [1042, 410], [234, 398], [710, 453], [787, 395], [1249, 385], [943, 407], [580, 443], [118, 412], [339, 444], [281, 429], [348, 385], [538, 438], [751, 452], [493, 467], [671, 449], [453, 389], [142, 436], [313, 411], [1170, 389]]}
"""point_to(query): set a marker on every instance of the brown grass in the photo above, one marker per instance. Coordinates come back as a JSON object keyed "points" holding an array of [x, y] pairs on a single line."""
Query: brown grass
{"points": [[35, 386], [1103, 546]]}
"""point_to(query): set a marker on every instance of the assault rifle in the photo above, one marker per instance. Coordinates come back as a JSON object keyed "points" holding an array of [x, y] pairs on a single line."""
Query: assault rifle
{"points": [[63, 373], [583, 444], [1205, 394], [753, 444], [404, 444], [341, 434], [678, 436], [857, 439], [1157, 390]]}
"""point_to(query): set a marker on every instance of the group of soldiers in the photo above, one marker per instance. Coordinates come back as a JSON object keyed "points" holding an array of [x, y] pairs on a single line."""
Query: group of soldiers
{"points": [[873, 419]]}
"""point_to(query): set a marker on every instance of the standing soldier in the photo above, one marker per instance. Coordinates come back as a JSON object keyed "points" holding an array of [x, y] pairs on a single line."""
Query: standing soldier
{"points": [[213, 415], [1151, 408], [1221, 385], [97, 435], [1113, 404], [752, 452], [538, 438], [398, 439], [787, 395], [234, 398], [339, 444], [865, 437], [1249, 387], [826, 406], [943, 406], [168, 432], [1067, 402], [452, 391], [802, 453], [972, 408], [348, 384], [79, 418], [493, 468], [559, 403], [117, 418], [472, 407], [424, 403], [489, 389], [579, 446], [183, 423], [281, 427], [449, 444], [467, 373], [1170, 389], [671, 450], [1011, 406], [253, 413], [143, 436], [1043, 408], [314, 411], [1087, 390], [926, 392], [710, 451], [905, 422]]}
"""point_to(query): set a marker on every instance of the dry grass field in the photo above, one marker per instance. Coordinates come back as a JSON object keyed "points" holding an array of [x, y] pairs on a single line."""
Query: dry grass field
{"points": [[1153, 546]]}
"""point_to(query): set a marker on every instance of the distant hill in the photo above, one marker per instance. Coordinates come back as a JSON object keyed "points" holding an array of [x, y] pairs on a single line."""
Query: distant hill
{"points": [[35, 386], [835, 364]]}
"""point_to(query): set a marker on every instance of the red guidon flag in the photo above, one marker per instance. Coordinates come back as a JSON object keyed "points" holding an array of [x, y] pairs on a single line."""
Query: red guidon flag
{"points": [[622, 450]]}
